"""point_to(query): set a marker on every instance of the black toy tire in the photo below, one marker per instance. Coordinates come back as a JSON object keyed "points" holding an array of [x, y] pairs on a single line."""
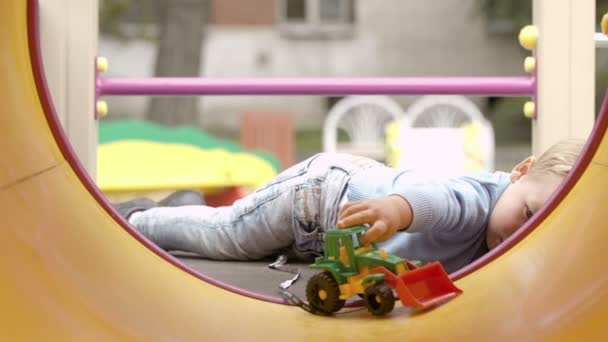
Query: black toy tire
{"points": [[326, 282], [379, 299]]}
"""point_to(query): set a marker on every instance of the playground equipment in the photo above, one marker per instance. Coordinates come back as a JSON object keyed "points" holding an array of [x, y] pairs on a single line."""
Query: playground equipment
{"points": [[363, 119], [278, 138], [450, 126], [350, 269], [137, 166], [76, 269], [565, 78], [143, 157]]}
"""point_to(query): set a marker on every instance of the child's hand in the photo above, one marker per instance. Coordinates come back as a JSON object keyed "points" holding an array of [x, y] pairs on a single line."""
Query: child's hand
{"points": [[385, 216]]}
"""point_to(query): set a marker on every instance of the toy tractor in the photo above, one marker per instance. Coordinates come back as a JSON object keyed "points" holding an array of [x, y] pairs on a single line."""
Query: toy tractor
{"points": [[352, 269]]}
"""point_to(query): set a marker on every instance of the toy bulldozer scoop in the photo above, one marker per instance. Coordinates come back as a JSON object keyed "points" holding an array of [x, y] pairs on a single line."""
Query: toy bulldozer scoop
{"points": [[350, 269]]}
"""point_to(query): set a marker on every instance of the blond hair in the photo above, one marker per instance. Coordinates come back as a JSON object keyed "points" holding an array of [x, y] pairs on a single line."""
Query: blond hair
{"points": [[559, 158]]}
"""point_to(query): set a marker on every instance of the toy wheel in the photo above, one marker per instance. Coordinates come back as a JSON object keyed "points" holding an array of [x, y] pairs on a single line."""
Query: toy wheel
{"points": [[323, 293], [379, 299]]}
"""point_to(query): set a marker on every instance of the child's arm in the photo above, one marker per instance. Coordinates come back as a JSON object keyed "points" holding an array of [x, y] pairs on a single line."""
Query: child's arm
{"points": [[453, 209], [385, 216]]}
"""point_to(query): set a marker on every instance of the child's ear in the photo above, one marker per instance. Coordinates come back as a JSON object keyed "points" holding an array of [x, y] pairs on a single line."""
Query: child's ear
{"points": [[522, 168]]}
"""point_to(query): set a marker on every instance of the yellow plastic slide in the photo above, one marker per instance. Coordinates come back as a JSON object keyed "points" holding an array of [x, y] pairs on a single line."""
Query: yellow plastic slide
{"points": [[140, 166], [71, 270]]}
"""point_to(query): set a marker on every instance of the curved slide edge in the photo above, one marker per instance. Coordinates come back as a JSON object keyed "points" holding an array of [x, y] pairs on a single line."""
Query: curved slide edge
{"points": [[73, 269]]}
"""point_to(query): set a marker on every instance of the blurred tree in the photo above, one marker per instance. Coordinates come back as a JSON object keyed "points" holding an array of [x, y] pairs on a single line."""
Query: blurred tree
{"points": [[180, 34], [519, 12], [181, 38], [128, 19], [110, 14], [515, 13]]}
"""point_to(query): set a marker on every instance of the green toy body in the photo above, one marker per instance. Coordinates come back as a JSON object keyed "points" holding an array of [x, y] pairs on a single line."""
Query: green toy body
{"points": [[352, 269]]}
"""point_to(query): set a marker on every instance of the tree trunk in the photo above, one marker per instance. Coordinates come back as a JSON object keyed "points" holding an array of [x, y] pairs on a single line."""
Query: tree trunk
{"points": [[179, 55]]}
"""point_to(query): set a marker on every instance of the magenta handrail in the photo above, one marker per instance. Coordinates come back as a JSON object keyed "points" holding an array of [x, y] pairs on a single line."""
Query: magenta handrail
{"points": [[488, 86]]}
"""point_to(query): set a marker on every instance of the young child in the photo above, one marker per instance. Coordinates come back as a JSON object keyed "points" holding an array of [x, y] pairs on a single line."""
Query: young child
{"points": [[451, 220]]}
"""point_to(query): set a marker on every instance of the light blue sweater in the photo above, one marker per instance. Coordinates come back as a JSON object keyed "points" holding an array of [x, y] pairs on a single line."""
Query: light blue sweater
{"points": [[450, 215]]}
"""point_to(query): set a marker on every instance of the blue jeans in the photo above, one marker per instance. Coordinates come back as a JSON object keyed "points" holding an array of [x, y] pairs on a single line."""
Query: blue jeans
{"points": [[286, 215]]}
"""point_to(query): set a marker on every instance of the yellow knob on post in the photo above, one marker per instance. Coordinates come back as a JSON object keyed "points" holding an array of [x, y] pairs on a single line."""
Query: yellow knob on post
{"points": [[604, 24], [528, 36], [102, 108], [529, 64], [529, 109], [102, 64]]}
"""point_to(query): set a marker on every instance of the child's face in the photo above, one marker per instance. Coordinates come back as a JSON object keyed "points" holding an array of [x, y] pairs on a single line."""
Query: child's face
{"points": [[524, 197]]}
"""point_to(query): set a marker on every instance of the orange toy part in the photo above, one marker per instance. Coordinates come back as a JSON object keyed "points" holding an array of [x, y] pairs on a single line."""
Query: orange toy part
{"points": [[421, 287]]}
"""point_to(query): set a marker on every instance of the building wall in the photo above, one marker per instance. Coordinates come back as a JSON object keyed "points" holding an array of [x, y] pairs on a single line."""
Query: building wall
{"points": [[234, 52], [242, 12], [437, 38], [392, 38]]}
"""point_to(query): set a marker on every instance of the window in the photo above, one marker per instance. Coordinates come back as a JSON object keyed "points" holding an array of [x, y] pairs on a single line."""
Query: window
{"points": [[316, 19]]}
